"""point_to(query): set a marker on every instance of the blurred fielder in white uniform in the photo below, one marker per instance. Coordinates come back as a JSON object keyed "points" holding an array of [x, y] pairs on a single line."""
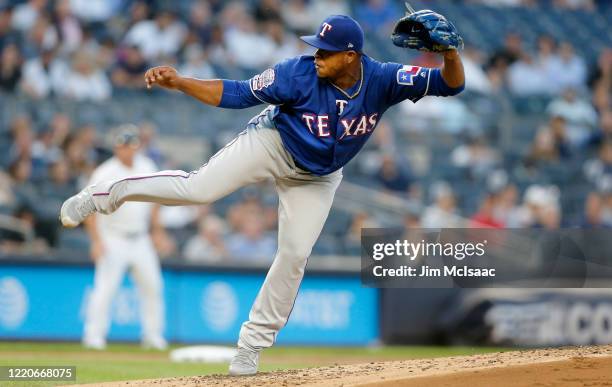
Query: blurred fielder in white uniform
{"points": [[123, 241]]}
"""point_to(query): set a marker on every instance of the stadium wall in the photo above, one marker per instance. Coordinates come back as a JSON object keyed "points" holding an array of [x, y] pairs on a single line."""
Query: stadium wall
{"points": [[47, 302]]}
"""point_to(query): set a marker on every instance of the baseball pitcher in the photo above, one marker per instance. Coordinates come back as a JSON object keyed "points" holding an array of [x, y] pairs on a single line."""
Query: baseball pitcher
{"points": [[321, 111]]}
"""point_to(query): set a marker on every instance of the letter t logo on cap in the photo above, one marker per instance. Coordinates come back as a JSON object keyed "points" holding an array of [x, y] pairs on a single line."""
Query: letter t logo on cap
{"points": [[326, 27]]}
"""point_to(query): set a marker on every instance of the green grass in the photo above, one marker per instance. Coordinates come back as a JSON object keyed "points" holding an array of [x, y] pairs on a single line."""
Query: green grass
{"points": [[129, 361]]}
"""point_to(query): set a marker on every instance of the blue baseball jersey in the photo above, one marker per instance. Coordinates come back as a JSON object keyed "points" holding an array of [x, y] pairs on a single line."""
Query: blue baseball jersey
{"points": [[321, 125]]}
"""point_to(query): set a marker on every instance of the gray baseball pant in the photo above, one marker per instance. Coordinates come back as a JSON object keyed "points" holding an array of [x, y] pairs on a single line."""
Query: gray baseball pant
{"points": [[304, 204]]}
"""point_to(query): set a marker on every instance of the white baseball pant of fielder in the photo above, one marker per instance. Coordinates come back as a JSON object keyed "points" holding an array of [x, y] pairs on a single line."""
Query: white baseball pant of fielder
{"points": [[255, 155]]}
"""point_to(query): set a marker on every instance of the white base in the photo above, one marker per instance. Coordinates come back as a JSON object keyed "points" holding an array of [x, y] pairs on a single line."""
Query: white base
{"points": [[203, 354]]}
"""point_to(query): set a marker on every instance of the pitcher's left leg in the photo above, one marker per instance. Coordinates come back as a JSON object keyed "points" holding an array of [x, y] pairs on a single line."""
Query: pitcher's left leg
{"points": [[304, 205]]}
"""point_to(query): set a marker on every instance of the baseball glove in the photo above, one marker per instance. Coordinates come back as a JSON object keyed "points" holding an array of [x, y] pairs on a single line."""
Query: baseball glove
{"points": [[426, 30]]}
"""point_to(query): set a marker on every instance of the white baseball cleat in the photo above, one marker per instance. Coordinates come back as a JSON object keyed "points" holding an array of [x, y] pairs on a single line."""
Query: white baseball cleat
{"points": [[156, 343], [77, 208], [95, 344], [244, 363]]}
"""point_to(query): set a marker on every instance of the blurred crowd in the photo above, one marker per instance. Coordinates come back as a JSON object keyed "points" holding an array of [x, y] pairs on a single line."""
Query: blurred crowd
{"points": [[92, 50]]}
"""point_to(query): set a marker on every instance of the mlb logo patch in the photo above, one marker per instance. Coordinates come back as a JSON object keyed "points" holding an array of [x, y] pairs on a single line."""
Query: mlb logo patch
{"points": [[406, 74], [263, 80]]}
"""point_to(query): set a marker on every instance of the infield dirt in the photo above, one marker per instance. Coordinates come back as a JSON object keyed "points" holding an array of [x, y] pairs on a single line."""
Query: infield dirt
{"points": [[581, 366]]}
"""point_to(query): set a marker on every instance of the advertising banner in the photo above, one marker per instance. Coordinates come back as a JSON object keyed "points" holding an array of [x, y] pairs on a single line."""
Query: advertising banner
{"points": [[48, 302]]}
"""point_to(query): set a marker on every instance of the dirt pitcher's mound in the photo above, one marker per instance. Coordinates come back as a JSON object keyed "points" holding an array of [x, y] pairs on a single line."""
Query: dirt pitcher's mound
{"points": [[582, 366]]}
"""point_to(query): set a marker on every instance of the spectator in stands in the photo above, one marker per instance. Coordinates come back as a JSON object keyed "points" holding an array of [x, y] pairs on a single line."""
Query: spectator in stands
{"points": [[97, 49], [208, 245], [598, 205], [250, 49], [23, 189], [253, 202], [377, 15], [148, 141], [10, 67], [541, 163], [600, 81], [53, 192], [594, 212], [286, 45], [139, 11], [267, 10], [320, 9], [567, 70], [94, 13], [78, 156], [442, 213], [527, 77], [451, 116], [48, 146], [413, 232], [411, 220], [494, 207], [195, 63], [500, 61], [219, 54], [384, 138], [42, 36], [7, 197], [506, 209], [393, 176], [550, 144], [129, 69], [45, 150], [22, 136], [295, 14], [485, 217], [427, 59], [251, 242], [475, 156], [547, 53], [579, 115], [12, 242], [177, 218], [7, 34], [158, 38], [510, 52], [597, 168], [352, 239], [557, 126], [105, 56], [473, 65], [44, 76], [87, 136], [26, 14], [541, 207], [200, 22], [604, 132], [86, 81], [67, 26]]}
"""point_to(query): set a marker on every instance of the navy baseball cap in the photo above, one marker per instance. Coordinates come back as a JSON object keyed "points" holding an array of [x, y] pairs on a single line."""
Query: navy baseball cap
{"points": [[337, 33], [127, 134]]}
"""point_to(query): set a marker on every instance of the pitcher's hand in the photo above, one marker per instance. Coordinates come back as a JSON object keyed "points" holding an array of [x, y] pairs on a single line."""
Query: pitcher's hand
{"points": [[164, 76]]}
